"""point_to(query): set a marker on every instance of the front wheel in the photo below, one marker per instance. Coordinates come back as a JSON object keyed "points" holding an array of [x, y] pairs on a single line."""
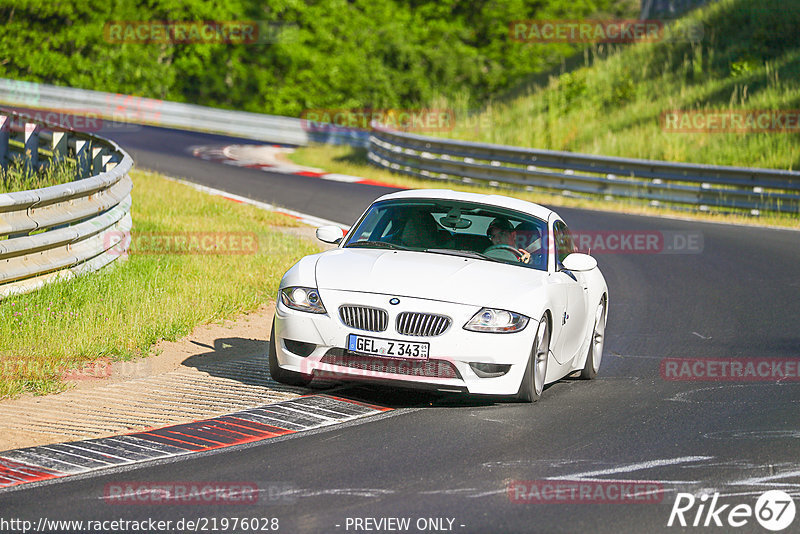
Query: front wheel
{"points": [[532, 386], [290, 378], [595, 355]]}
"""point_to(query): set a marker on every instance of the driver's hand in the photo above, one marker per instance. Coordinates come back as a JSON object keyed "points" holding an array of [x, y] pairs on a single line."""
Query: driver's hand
{"points": [[526, 256]]}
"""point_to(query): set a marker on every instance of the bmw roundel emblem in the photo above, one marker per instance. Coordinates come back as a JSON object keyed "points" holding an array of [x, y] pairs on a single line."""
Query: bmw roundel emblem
{"points": [[394, 301]]}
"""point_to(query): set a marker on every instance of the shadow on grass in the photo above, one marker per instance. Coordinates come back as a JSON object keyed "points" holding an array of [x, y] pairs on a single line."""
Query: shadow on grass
{"points": [[356, 156]]}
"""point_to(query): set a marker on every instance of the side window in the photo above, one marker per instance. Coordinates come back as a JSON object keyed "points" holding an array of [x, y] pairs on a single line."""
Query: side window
{"points": [[564, 243]]}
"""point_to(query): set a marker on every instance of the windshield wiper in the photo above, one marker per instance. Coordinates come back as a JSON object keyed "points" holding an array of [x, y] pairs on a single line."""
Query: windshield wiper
{"points": [[462, 253], [375, 244]]}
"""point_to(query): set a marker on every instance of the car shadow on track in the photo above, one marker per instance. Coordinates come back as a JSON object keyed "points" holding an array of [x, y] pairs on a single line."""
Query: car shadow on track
{"points": [[245, 360], [236, 358], [393, 396]]}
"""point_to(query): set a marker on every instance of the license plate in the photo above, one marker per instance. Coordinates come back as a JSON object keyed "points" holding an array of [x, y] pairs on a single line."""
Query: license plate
{"points": [[387, 347]]}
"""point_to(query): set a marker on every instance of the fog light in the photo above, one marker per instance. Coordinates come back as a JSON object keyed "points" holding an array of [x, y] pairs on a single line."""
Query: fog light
{"points": [[490, 370], [301, 348]]}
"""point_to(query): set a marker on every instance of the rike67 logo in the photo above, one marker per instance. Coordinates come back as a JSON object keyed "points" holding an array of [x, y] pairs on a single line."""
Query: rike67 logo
{"points": [[774, 510]]}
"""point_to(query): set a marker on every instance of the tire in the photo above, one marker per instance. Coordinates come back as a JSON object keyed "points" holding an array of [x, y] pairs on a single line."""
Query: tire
{"points": [[290, 378], [532, 386], [595, 355]]}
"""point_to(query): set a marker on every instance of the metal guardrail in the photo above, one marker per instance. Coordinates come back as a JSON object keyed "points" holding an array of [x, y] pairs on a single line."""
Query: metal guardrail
{"points": [[573, 174], [566, 173], [140, 110], [58, 232]]}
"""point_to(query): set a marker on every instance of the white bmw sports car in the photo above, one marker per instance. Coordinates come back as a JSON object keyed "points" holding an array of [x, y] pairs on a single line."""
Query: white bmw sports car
{"points": [[460, 292]]}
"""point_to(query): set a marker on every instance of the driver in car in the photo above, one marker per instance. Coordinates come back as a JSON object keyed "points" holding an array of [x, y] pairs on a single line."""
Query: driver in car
{"points": [[504, 236]]}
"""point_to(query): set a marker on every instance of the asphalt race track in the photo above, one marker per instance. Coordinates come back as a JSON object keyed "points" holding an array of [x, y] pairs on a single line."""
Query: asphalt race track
{"points": [[446, 462], [169, 152]]}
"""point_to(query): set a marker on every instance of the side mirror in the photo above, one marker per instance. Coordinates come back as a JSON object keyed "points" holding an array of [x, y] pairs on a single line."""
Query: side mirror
{"points": [[330, 234], [579, 262]]}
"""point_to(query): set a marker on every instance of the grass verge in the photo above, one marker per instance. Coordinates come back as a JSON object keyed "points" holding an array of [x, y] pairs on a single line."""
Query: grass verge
{"points": [[16, 176], [746, 58], [120, 312], [353, 161]]}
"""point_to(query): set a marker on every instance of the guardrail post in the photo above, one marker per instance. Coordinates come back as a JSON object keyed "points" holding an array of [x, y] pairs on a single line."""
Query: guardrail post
{"points": [[113, 161], [32, 146], [5, 128], [82, 157], [99, 159], [58, 144]]}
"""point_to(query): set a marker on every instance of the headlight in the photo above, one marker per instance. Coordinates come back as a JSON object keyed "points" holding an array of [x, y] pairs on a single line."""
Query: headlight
{"points": [[498, 321], [305, 299]]}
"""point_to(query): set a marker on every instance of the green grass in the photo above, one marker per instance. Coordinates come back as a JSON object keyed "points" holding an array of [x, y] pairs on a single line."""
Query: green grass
{"points": [[17, 177], [353, 161], [748, 59], [119, 313]]}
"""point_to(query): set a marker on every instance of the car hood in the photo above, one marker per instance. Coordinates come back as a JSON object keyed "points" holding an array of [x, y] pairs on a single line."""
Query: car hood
{"points": [[425, 275]]}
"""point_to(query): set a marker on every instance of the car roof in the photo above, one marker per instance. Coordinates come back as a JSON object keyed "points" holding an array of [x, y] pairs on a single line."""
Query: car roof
{"points": [[493, 200]]}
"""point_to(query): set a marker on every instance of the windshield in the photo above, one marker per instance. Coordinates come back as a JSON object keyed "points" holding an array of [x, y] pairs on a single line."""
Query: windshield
{"points": [[452, 227]]}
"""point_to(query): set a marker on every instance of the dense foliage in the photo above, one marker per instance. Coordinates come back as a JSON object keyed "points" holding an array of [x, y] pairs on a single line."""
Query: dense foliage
{"points": [[328, 53]]}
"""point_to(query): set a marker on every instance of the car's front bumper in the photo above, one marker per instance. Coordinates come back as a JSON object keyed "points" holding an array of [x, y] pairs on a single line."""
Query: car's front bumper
{"points": [[450, 354]]}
